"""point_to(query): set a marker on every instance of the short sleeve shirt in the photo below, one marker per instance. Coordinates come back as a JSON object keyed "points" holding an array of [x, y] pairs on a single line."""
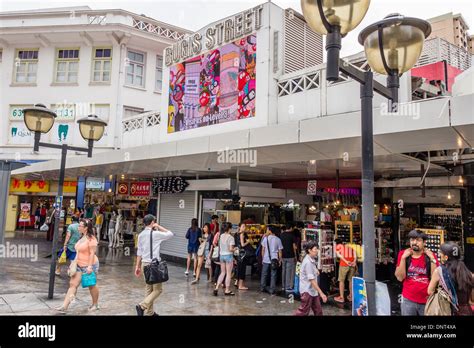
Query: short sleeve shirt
{"points": [[275, 245], [308, 272]]}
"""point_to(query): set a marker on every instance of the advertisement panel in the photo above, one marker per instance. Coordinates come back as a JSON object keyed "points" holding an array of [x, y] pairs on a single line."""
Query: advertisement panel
{"points": [[213, 88]]}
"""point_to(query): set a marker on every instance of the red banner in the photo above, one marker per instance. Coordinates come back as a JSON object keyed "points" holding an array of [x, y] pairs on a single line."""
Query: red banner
{"points": [[140, 188]]}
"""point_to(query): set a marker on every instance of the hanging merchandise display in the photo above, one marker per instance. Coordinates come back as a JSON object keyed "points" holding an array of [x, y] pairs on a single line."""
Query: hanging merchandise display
{"points": [[384, 245], [348, 231], [324, 236], [449, 219], [435, 239]]}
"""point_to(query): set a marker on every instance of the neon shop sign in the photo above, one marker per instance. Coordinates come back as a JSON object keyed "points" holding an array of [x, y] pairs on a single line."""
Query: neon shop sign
{"points": [[224, 31]]}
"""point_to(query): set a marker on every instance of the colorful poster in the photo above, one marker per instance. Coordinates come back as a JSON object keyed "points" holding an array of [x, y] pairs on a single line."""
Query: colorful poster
{"points": [[213, 88], [359, 301], [25, 212]]}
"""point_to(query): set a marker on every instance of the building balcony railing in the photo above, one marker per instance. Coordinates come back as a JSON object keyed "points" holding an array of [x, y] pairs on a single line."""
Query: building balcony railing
{"points": [[437, 49], [140, 129]]}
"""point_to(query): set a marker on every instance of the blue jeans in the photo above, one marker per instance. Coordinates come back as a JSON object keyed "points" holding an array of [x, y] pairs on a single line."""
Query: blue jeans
{"points": [[266, 269], [412, 308]]}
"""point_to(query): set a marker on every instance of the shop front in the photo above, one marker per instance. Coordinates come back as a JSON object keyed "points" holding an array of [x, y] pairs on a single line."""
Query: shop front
{"points": [[30, 201]]}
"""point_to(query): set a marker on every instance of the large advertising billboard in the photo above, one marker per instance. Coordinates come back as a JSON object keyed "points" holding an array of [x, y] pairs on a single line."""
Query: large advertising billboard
{"points": [[213, 88]]}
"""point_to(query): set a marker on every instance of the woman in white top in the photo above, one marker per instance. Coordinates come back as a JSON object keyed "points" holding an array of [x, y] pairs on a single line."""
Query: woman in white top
{"points": [[226, 256]]}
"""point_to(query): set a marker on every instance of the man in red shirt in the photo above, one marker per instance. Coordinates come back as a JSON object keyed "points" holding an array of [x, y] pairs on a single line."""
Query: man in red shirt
{"points": [[415, 266], [347, 268]]}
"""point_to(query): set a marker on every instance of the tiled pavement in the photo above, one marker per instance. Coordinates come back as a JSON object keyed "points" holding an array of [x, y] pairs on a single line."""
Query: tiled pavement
{"points": [[24, 287]]}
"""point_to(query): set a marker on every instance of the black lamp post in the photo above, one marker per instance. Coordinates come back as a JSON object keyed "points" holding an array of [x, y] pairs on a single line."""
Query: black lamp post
{"points": [[39, 119], [392, 46]]}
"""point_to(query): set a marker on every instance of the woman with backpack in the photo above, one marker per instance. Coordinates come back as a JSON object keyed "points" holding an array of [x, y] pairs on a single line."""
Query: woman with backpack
{"points": [[455, 279], [193, 235]]}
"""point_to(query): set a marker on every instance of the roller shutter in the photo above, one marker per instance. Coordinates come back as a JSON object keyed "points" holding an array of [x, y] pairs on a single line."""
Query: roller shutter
{"points": [[176, 220]]}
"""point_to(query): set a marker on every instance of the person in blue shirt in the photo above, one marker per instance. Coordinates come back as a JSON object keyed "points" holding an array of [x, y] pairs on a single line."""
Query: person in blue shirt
{"points": [[193, 235]]}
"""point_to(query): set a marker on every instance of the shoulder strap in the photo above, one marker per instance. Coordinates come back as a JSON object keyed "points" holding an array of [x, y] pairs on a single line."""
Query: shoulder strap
{"points": [[407, 264], [151, 244], [268, 246], [428, 266]]}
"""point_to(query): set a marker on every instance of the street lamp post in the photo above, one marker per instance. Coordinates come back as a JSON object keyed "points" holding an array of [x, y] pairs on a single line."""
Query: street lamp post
{"points": [[39, 119], [392, 46]]}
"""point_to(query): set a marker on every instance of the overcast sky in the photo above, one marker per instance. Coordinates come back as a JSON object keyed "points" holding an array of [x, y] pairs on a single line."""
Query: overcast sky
{"points": [[195, 14]]}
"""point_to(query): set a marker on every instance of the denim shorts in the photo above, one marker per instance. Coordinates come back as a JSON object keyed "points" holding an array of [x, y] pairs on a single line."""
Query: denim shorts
{"points": [[95, 268], [226, 258]]}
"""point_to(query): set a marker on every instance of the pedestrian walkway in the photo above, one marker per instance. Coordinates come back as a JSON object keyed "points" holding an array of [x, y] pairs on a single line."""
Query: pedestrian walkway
{"points": [[25, 286]]}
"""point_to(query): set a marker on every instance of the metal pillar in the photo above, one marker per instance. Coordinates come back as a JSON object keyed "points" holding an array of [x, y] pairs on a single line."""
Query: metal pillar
{"points": [[368, 226], [59, 200]]}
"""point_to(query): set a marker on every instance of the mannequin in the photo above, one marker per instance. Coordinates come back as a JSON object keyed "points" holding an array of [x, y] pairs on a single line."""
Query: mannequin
{"points": [[118, 235], [111, 231], [99, 219]]}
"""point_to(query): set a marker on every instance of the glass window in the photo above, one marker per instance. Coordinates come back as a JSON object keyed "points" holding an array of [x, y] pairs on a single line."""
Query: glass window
{"points": [[135, 69], [67, 65], [25, 66], [101, 66], [159, 73]]}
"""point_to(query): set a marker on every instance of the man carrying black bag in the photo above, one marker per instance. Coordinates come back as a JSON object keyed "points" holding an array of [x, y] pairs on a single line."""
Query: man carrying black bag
{"points": [[148, 256]]}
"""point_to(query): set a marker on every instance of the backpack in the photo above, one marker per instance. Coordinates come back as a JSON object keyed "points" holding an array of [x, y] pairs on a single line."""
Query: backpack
{"points": [[427, 263]]}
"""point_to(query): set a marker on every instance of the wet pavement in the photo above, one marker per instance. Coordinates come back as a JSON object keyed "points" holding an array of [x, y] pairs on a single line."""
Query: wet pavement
{"points": [[24, 288]]}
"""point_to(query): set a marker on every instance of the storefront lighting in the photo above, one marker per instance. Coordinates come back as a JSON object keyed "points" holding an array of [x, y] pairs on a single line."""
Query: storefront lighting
{"points": [[449, 195], [312, 208], [461, 181]]}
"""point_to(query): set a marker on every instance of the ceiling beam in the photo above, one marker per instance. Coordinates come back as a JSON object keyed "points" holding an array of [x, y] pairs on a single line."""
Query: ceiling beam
{"points": [[86, 38], [43, 40]]}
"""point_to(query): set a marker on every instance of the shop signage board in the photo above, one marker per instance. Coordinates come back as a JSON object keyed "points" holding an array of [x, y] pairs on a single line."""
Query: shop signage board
{"points": [[359, 300], [312, 187], [343, 191], [17, 185], [140, 188], [70, 186], [95, 183], [16, 112], [18, 134], [169, 184], [135, 189], [25, 212]]}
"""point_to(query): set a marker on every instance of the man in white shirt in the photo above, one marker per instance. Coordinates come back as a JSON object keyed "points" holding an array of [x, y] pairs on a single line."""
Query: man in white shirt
{"points": [[160, 234]]}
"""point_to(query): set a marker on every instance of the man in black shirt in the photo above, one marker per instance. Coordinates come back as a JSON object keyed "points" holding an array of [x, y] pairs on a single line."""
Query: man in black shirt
{"points": [[289, 258]]}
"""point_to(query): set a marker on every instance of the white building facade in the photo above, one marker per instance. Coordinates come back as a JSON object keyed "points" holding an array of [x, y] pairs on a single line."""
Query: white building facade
{"points": [[78, 61]]}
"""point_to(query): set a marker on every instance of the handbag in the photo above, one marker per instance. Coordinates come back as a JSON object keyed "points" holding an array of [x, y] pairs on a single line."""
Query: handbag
{"points": [[88, 280], [71, 271], [62, 259], [438, 303], [156, 272], [44, 227], [215, 251], [274, 262], [201, 248]]}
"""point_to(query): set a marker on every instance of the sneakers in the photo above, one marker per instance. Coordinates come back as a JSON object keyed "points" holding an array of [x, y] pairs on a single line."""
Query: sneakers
{"points": [[60, 309], [186, 273], [140, 310], [93, 308], [195, 281]]}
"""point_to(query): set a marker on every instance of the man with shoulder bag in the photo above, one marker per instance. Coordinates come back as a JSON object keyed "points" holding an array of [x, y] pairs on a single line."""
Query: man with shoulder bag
{"points": [[149, 263], [272, 258]]}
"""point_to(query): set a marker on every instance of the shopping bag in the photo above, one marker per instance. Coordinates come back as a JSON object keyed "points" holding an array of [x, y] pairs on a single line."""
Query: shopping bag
{"points": [[44, 227], [62, 259], [296, 287], [88, 280]]}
